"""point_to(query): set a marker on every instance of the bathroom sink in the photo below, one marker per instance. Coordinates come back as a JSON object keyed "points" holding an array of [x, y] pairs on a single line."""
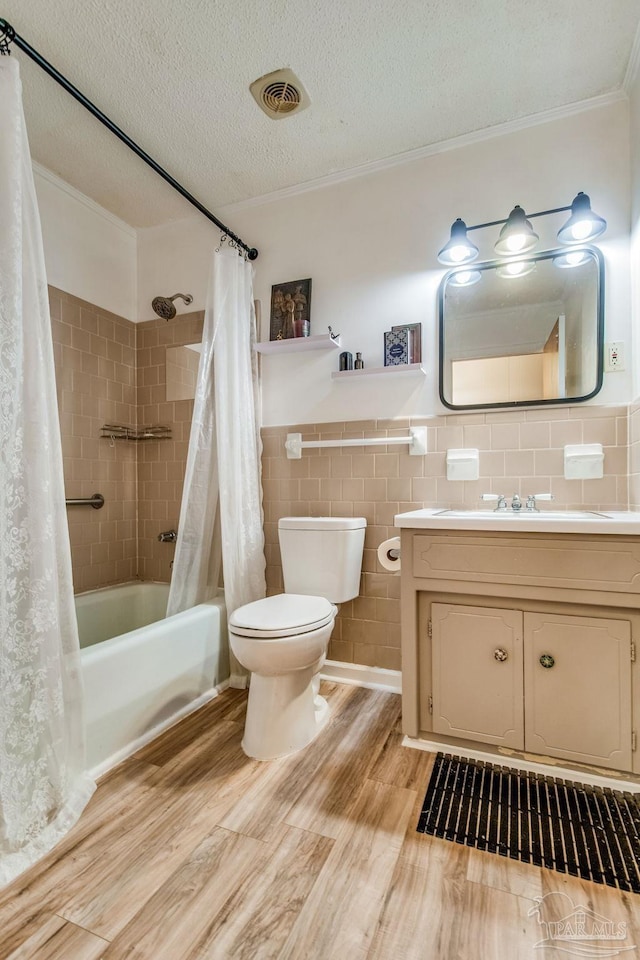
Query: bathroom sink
{"points": [[590, 522], [543, 515]]}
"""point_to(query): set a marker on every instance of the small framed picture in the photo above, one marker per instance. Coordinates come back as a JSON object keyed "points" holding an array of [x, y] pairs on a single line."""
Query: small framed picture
{"points": [[396, 348], [415, 340], [290, 310]]}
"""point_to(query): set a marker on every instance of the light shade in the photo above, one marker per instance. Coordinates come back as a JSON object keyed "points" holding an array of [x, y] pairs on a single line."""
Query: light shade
{"points": [[464, 278], [515, 268], [459, 249], [517, 235], [572, 258], [583, 224]]}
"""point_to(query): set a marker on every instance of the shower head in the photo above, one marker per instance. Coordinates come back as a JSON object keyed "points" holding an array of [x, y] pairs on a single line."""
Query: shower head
{"points": [[164, 308]]}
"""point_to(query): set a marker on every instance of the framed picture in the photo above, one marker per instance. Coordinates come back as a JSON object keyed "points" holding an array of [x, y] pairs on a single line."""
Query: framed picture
{"points": [[290, 310], [414, 331], [396, 347]]}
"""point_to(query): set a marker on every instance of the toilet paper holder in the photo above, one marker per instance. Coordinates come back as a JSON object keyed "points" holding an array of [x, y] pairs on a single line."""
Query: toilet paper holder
{"points": [[389, 556]]}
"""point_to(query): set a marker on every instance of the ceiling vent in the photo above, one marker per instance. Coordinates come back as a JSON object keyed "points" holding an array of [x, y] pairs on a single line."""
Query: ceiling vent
{"points": [[279, 94]]}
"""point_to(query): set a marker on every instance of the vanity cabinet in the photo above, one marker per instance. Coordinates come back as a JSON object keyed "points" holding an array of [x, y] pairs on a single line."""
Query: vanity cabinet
{"points": [[577, 688], [523, 642], [543, 682], [477, 673]]}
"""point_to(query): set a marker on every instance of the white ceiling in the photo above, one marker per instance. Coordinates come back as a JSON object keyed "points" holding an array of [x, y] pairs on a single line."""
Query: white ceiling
{"points": [[384, 78]]}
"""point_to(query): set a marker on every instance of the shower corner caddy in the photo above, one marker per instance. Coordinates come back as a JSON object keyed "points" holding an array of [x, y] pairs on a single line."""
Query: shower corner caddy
{"points": [[323, 341], [119, 431]]}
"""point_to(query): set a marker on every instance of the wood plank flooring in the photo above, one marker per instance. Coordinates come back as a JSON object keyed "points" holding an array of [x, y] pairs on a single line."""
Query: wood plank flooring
{"points": [[191, 851]]}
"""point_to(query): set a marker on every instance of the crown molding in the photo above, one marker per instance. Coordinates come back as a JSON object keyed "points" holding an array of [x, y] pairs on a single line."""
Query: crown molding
{"points": [[632, 67], [421, 153], [82, 198]]}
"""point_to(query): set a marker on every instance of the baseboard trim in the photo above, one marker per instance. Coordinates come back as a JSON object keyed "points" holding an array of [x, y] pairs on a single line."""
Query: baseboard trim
{"points": [[547, 766], [137, 744], [359, 675]]}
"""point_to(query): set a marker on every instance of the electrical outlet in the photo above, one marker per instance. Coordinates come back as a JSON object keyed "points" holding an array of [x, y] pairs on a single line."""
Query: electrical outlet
{"points": [[614, 357]]}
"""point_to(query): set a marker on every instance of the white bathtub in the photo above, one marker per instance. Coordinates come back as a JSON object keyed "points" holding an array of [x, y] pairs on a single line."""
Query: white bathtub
{"points": [[143, 671]]}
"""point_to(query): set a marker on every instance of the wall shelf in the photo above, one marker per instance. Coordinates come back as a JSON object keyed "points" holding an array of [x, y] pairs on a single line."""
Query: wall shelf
{"points": [[298, 344], [403, 368]]}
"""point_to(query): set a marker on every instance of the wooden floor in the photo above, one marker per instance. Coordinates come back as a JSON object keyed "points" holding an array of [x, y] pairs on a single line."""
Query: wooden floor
{"points": [[190, 850]]}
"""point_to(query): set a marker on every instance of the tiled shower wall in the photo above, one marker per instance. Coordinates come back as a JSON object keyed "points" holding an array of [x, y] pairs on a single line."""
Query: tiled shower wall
{"points": [[161, 463], [94, 354], [520, 452], [109, 370]]}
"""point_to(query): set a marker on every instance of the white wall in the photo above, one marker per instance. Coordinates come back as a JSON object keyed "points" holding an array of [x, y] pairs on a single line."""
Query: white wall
{"points": [[370, 245], [88, 252], [634, 123]]}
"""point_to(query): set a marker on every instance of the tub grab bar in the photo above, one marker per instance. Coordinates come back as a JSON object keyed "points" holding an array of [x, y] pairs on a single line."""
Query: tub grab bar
{"points": [[417, 442], [96, 501]]}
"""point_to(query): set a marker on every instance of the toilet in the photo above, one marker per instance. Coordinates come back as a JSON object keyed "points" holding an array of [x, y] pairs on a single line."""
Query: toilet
{"points": [[282, 640]]}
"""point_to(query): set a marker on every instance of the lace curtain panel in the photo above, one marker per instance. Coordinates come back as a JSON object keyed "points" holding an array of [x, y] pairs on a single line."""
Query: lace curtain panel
{"points": [[222, 500], [43, 783]]}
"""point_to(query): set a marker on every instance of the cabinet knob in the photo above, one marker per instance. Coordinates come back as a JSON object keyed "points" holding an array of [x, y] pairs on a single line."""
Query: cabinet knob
{"points": [[547, 661], [500, 654]]}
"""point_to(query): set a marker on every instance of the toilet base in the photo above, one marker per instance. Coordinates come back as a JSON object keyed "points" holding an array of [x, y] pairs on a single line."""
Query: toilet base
{"points": [[284, 714]]}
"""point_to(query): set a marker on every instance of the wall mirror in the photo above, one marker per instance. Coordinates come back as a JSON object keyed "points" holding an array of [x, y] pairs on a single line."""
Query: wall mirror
{"points": [[523, 332], [182, 371]]}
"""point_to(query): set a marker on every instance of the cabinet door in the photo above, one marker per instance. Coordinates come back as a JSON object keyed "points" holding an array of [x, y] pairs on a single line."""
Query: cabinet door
{"points": [[477, 673], [578, 688]]}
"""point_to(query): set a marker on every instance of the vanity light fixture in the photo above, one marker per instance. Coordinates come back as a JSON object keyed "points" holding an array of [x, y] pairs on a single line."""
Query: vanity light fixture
{"points": [[459, 249], [517, 236], [583, 225]]}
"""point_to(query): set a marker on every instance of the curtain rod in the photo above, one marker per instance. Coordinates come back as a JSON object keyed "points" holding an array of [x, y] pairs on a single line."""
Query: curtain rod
{"points": [[8, 36]]}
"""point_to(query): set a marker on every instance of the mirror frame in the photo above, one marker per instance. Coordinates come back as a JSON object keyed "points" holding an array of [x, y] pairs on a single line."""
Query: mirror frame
{"points": [[491, 265]]}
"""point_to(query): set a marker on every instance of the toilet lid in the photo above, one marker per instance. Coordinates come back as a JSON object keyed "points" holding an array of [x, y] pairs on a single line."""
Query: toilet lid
{"points": [[282, 615]]}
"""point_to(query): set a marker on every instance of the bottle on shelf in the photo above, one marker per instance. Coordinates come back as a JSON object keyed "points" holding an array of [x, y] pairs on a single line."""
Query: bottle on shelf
{"points": [[359, 364], [346, 361]]}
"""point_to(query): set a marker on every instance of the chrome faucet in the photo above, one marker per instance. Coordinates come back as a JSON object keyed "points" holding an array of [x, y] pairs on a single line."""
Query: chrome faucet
{"points": [[533, 497], [501, 503], [168, 536], [516, 503]]}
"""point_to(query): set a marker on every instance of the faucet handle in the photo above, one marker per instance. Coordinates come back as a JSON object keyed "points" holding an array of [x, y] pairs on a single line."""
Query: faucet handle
{"points": [[168, 536], [531, 500], [501, 504]]}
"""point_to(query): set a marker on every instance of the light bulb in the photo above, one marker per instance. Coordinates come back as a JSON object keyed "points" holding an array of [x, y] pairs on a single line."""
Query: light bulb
{"points": [[517, 268], [572, 259], [582, 229], [458, 254], [464, 278], [516, 242]]}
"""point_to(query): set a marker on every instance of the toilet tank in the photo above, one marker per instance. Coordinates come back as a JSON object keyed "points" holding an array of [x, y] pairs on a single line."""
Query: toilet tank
{"points": [[322, 556]]}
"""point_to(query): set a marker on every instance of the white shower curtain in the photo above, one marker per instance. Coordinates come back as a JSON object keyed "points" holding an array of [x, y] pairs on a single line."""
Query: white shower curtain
{"points": [[43, 784], [222, 499]]}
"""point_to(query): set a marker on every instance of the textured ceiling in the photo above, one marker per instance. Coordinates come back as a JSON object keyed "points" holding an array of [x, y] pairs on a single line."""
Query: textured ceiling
{"points": [[383, 78]]}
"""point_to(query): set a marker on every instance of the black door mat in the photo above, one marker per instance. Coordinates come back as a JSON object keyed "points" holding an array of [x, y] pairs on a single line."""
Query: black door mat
{"points": [[589, 832]]}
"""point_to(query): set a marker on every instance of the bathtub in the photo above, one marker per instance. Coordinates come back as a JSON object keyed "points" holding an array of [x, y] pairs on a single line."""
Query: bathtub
{"points": [[142, 671]]}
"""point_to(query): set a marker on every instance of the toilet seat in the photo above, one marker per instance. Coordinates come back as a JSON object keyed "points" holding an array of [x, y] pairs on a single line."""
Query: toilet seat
{"points": [[284, 615]]}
